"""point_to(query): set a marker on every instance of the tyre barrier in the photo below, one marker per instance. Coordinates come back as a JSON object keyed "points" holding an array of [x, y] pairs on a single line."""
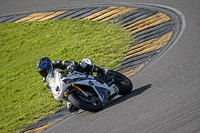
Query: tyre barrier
{"points": [[156, 29]]}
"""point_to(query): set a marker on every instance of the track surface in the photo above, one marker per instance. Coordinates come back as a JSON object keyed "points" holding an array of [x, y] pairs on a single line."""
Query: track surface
{"points": [[166, 97]]}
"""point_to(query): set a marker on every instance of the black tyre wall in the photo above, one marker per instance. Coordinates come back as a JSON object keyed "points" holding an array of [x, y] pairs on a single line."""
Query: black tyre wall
{"points": [[125, 86], [82, 105]]}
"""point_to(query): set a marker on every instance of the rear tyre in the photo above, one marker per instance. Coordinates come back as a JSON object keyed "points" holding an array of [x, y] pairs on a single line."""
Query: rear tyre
{"points": [[78, 101], [125, 85]]}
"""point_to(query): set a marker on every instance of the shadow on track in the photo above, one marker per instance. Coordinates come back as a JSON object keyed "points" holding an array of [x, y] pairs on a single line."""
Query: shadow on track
{"points": [[125, 97]]}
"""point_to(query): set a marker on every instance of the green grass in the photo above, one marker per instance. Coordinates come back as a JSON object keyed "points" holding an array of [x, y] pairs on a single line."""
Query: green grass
{"points": [[24, 98]]}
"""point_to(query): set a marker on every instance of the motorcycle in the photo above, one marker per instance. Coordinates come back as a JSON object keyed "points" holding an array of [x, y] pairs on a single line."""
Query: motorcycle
{"points": [[86, 91]]}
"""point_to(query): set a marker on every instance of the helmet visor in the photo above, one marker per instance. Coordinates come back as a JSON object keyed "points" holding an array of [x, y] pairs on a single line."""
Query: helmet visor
{"points": [[43, 73]]}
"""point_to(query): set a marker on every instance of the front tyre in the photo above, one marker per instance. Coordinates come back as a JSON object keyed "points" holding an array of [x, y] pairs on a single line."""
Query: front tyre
{"points": [[125, 85], [84, 103]]}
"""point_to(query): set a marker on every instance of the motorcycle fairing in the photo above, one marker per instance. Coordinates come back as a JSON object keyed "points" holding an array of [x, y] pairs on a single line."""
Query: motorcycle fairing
{"points": [[59, 85], [70, 81]]}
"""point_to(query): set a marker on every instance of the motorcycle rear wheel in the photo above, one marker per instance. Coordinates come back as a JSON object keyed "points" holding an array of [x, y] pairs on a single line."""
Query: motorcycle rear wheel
{"points": [[125, 85], [79, 103]]}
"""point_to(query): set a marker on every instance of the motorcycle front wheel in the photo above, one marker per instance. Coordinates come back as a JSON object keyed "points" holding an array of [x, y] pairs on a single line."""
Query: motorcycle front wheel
{"points": [[92, 104]]}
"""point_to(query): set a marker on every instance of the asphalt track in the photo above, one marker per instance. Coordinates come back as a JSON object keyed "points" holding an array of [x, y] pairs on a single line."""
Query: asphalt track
{"points": [[166, 97]]}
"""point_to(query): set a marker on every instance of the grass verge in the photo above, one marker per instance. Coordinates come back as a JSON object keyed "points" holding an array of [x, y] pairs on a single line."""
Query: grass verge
{"points": [[24, 98]]}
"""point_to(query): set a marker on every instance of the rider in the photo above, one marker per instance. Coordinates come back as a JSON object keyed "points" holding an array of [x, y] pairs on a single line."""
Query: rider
{"points": [[45, 66]]}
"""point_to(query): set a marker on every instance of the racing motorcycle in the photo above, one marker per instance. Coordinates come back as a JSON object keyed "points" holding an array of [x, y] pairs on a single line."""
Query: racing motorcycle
{"points": [[86, 91]]}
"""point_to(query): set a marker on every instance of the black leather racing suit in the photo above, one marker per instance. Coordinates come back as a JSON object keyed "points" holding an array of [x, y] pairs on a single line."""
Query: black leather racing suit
{"points": [[63, 64]]}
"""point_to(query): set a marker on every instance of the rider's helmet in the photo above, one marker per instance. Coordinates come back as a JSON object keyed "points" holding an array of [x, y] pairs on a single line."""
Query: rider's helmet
{"points": [[44, 66]]}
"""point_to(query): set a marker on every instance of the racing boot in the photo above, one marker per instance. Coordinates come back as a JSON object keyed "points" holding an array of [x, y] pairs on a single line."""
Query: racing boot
{"points": [[100, 70], [93, 68], [105, 71]]}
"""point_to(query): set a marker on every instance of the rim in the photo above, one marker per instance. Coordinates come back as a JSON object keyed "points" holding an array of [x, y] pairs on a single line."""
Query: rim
{"points": [[92, 100]]}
